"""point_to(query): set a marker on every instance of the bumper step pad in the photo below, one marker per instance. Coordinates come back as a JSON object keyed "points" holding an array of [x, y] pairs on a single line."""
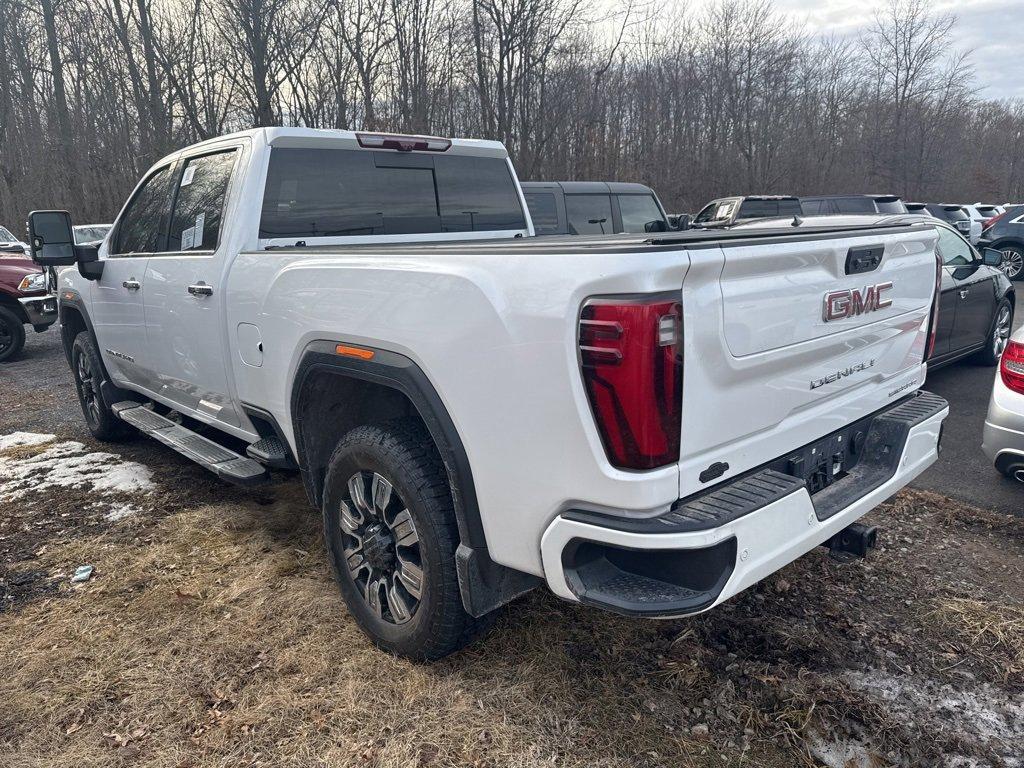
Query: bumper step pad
{"points": [[223, 462]]}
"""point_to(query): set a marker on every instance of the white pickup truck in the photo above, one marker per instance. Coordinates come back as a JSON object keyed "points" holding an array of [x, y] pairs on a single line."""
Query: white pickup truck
{"points": [[647, 423]]}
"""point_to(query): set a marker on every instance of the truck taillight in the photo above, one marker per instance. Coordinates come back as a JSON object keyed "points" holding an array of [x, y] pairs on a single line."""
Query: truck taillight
{"points": [[1011, 367], [933, 324], [632, 361]]}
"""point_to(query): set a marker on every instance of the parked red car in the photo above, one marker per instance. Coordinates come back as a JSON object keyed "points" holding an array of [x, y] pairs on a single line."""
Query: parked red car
{"points": [[23, 301]]}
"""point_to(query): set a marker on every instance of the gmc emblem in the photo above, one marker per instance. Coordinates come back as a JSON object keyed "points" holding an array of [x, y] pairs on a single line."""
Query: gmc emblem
{"points": [[850, 303]]}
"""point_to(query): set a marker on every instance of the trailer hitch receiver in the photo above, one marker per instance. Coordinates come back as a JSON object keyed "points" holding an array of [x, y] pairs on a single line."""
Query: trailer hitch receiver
{"points": [[853, 541]]}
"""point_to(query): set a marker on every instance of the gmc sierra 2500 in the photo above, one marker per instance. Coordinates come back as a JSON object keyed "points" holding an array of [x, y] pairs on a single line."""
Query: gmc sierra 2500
{"points": [[647, 423]]}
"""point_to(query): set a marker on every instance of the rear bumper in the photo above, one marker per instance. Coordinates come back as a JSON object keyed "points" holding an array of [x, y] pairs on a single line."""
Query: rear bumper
{"points": [[40, 310], [685, 562], [1003, 436]]}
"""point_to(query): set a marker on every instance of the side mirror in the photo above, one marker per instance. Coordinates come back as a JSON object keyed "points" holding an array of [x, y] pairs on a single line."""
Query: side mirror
{"points": [[990, 257], [655, 226], [51, 239]]}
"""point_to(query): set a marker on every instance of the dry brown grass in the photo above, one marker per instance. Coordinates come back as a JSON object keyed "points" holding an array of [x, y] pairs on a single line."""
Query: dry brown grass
{"points": [[992, 631], [215, 636], [218, 638]]}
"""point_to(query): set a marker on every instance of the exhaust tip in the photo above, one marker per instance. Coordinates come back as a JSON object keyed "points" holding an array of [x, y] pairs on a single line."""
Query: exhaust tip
{"points": [[1019, 474]]}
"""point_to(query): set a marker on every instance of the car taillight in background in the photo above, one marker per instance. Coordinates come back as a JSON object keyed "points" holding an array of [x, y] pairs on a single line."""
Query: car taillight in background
{"points": [[989, 222], [632, 362], [1011, 367]]}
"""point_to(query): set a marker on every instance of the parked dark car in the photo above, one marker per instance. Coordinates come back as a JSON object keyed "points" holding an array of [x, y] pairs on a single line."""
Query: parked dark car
{"points": [[23, 301], [1006, 233], [726, 211], [976, 305], [953, 215], [593, 208], [831, 205]]}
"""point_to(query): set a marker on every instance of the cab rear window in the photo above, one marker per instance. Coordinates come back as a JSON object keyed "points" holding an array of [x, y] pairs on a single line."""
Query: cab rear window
{"points": [[756, 209], [343, 192]]}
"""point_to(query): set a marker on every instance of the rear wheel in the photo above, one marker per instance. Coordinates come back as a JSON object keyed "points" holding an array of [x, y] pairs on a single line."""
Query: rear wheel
{"points": [[999, 335], [1013, 261], [391, 532], [89, 378], [12, 334]]}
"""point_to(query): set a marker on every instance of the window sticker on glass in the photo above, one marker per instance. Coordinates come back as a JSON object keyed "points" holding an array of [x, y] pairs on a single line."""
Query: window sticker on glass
{"points": [[188, 238], [186, 178], [197, 231]]}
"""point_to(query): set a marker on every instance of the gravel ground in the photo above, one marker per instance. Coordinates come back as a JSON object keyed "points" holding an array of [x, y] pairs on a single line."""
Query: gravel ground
{"points": [[210, 634]]}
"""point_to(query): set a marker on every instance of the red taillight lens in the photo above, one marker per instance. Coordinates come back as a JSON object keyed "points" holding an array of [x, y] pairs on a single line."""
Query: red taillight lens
{"points": [[989, 222], [631, 357], [1011, 367]]}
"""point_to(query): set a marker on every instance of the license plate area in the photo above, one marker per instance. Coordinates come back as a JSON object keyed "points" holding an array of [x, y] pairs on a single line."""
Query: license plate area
{"points": [[825, 461]]}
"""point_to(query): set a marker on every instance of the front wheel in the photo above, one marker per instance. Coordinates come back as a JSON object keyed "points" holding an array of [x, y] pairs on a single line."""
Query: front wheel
{"points": [[89, 378], [12, 335], [999, 335], [1013, 261], [391, 532]]}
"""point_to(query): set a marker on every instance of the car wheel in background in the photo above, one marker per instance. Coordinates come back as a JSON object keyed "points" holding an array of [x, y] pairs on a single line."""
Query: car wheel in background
{"points": [[1013, 262], [391, 532], [89, 377], [999, 335], [12, 334]]}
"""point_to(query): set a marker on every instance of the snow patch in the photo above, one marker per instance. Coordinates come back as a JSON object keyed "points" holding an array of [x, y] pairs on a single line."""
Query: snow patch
{"points": [[67, 465], [121, 511], [19, 439], [981, 717], [835, 752]]}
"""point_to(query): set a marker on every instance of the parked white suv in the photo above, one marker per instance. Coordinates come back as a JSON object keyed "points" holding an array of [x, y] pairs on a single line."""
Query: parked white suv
{"points": [[648, 423]]}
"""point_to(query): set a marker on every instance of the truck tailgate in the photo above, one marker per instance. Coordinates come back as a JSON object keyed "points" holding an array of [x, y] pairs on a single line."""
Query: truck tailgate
{"points": [[795, 338]]}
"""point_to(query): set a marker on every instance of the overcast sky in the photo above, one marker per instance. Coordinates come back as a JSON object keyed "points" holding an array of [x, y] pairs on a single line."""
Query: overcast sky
{"points": [[992, 29]]}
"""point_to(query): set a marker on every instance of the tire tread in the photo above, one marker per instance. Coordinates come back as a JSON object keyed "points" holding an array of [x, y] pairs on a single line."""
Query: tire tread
{"points": [[407, 445]]}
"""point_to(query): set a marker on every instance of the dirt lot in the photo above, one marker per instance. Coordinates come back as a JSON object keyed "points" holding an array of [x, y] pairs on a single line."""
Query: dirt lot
{"points": [[210, 634]]}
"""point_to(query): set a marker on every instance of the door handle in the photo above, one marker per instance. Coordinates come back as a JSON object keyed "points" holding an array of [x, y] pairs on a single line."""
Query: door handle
{"points": [[131, 285], [963, 293], [201, 289]]}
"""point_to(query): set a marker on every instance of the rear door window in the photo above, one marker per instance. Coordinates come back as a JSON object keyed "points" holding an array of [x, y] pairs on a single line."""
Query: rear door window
{"points": [[724, 210], [954, 249], [199, 205], [543, 211], [639, 211], [143, 225], [343, 192], [589, 214]]}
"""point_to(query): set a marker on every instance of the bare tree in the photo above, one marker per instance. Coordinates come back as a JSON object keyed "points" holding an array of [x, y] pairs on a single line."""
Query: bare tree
{"points": [[730, 98]]}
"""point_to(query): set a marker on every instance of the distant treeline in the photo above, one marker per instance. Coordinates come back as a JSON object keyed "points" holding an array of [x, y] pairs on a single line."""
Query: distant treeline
{"points": [[730, 99]]}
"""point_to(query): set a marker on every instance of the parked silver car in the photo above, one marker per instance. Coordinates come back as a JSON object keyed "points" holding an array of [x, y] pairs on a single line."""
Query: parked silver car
{"points": [[1003, 440]]}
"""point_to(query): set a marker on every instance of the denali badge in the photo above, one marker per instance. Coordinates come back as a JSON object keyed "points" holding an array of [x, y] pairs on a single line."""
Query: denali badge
{"points": [[842, 374], [850, 303]]}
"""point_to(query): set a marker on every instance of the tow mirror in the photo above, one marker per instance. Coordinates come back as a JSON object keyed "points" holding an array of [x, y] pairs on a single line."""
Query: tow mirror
{"points": [[990, 257], [51, 239]]}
